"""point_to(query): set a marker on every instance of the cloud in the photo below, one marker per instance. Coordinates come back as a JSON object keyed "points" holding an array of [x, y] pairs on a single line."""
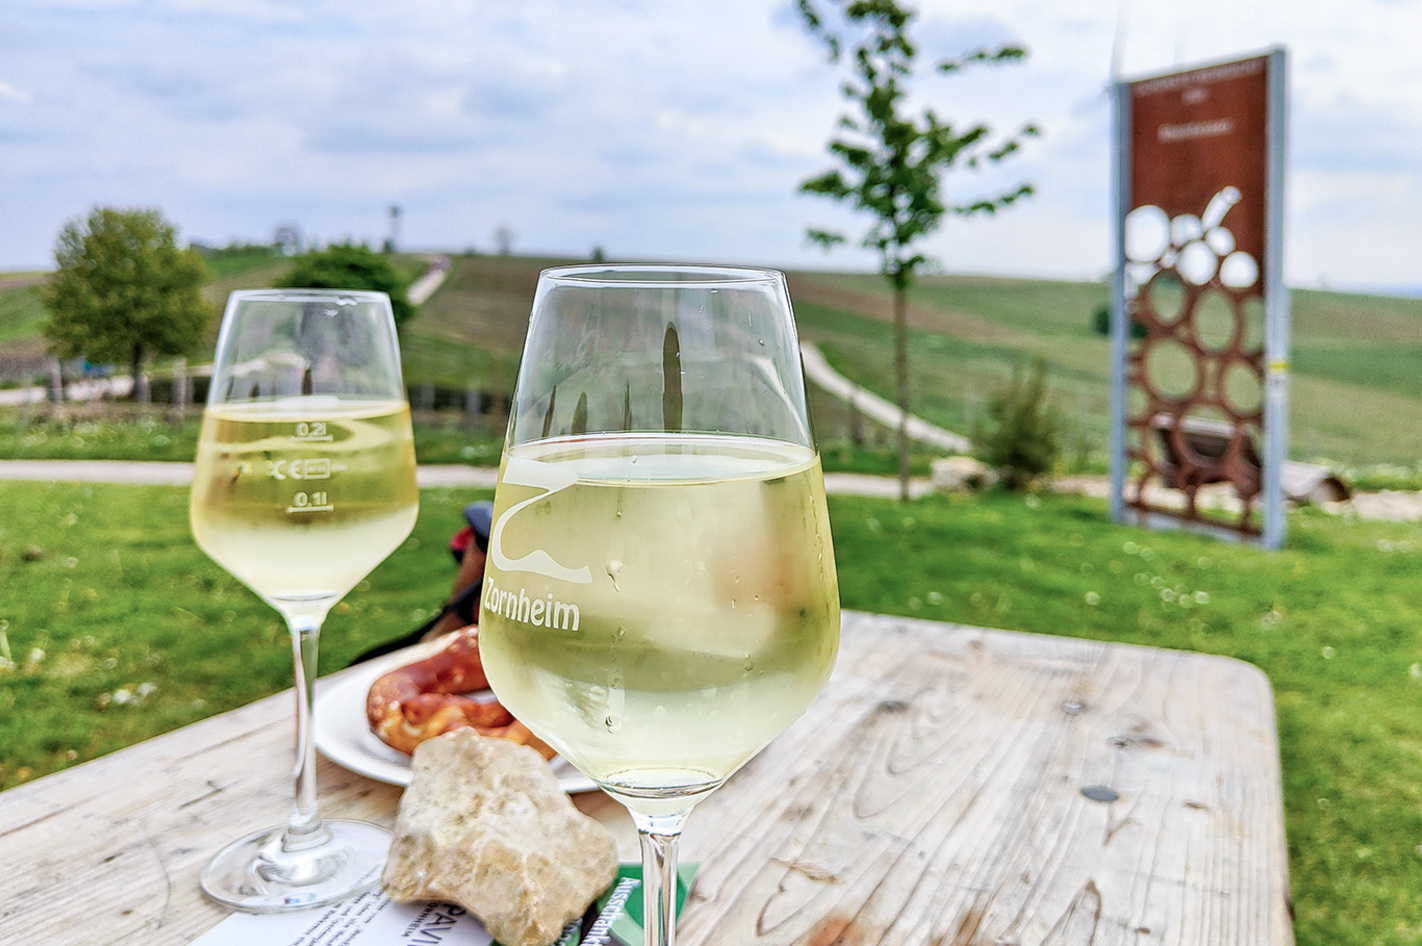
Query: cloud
{"points": [[184, 92], [657, 130], [10, 94]]}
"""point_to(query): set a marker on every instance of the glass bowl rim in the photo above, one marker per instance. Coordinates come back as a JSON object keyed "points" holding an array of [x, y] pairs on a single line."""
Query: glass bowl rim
{"points": [[307, 295], [660, 275]]}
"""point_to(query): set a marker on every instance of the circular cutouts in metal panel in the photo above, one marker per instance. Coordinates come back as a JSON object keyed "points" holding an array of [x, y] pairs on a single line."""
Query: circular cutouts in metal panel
{"points": [[1171, 371], [1215, 321]]}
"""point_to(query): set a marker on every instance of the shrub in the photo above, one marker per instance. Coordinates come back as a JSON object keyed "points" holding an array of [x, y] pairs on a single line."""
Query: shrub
{"points": [[347, 266], [1101, 323], [1019, 433]]}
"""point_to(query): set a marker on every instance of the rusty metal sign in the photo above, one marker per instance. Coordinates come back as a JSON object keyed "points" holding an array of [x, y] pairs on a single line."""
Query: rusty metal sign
{"points": [[1200, 329]]}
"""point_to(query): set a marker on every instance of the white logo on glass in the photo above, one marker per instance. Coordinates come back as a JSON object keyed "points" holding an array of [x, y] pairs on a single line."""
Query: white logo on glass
{"points": [[551, 479]]}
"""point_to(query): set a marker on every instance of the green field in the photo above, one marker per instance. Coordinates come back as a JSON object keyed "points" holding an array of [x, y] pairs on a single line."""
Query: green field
{"points": [[22, 318], [21, 315]]}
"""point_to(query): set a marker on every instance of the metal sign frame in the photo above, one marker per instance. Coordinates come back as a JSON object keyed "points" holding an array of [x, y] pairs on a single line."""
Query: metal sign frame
{"points": [[1254, 474]]}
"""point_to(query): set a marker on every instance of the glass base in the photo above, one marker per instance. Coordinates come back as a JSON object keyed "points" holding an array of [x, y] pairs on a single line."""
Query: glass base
{"points": [[257, 874]]}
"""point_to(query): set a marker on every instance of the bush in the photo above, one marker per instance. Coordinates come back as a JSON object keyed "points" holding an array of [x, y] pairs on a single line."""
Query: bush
{"points": [[1020, 433], [1101, 323], [348, 266]]}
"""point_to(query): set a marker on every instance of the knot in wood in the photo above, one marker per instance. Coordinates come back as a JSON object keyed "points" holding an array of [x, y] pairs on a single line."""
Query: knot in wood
{"points": [[1101, 793]]}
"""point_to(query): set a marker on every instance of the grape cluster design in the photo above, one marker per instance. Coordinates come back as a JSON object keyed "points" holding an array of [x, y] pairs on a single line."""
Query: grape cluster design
{"points": [[1195, 247]]}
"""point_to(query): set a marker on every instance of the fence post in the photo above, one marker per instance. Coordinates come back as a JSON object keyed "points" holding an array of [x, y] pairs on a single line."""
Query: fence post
{"points": [[56, 389], [181, 393], [856, 421], [471, 407]]}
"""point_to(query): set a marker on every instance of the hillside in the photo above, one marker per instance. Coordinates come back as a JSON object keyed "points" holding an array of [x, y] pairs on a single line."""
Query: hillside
{"points": [[1355, 385]]}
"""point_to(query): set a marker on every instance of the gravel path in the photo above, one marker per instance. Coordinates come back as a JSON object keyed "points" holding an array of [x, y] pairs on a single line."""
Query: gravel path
{"points": [[1392, 505]]}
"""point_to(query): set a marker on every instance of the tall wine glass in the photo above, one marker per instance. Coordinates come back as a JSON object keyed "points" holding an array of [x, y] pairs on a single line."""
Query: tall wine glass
{"points": [[660, 599], [304, 482]]}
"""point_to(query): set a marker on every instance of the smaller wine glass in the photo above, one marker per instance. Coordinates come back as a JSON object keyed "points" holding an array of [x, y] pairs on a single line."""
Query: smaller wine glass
{"points": [[304, 482]]}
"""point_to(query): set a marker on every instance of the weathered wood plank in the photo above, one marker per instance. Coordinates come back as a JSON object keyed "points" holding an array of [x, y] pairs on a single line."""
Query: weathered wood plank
{"points": [[936, 796], [110, 851], [933, 794]]}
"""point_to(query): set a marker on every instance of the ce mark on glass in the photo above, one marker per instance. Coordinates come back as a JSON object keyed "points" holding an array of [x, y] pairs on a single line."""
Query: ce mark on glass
{"points": [[314, 468], [307, 468]]}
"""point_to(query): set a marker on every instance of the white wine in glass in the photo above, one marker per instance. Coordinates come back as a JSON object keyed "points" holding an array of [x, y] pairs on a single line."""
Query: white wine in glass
{"points": [[304, 482], [660, 599]]}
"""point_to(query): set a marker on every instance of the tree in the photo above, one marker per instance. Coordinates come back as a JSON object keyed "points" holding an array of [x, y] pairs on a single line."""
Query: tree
{"points": [[123, 291], [893, 160], [349, 266]]}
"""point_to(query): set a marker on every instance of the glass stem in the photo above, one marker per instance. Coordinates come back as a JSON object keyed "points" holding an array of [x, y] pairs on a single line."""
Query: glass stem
{"points": [[659, 835], [305, 829]]}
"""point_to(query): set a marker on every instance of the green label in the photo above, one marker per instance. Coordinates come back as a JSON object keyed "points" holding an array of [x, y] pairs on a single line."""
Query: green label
{"points": [[616, 918]]}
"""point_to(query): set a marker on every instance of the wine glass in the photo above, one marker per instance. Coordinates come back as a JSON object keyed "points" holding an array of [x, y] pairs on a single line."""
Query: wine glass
{"points": [[660, 599], [304, 482]]}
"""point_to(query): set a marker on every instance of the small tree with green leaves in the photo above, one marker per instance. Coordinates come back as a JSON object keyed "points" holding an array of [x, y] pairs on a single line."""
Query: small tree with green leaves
{"points": [[893, 160], [123, 291], [351, 266], [1020, 432]]}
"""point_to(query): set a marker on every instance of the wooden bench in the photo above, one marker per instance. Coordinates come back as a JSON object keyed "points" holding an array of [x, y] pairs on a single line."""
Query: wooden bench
{"points": [[1209, 441]]}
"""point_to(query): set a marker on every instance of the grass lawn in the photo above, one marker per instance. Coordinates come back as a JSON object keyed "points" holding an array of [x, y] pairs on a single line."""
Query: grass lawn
{"points": [[118, 628]]}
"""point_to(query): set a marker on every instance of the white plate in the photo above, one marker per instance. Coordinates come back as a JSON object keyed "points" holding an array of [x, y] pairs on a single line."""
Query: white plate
{"points": [[343, 736]]}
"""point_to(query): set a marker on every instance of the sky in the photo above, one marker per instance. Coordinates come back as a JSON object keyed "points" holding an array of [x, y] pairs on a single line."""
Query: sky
{"points": [[661, 130]]}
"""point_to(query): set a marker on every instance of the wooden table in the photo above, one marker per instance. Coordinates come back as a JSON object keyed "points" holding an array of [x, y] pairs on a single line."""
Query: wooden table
{"points": [[952, 785]]}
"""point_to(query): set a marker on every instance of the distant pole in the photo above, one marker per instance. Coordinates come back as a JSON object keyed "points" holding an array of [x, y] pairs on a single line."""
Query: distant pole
{"points": [[392, 243]]}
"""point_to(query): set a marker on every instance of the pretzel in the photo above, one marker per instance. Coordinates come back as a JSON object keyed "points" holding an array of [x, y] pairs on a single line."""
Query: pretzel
{"points": [[426, 698]]}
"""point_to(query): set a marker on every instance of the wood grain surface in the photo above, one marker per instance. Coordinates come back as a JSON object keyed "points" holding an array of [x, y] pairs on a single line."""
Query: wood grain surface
{"points": [[952, 785]]}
